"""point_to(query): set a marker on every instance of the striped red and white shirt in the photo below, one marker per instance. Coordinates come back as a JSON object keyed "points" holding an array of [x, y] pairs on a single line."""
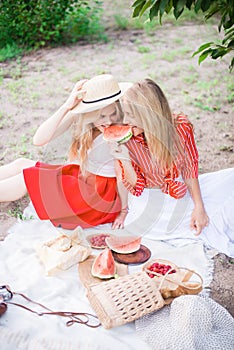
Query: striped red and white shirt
{"points": [[150, 174]]}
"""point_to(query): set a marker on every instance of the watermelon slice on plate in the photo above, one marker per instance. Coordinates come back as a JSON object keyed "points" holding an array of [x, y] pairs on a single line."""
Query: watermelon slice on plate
{"points": [[118, 133], [124, 244]]}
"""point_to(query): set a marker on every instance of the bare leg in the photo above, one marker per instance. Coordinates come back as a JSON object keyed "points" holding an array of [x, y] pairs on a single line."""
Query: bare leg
{"points": [[14, 168], [12, 188]]}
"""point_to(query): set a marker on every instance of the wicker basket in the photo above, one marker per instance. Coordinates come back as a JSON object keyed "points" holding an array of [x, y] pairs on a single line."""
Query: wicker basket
{"points": [[124, 299]]}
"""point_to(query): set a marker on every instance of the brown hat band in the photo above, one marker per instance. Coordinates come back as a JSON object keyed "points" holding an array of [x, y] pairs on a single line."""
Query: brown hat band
{"points": [[102, 99]]}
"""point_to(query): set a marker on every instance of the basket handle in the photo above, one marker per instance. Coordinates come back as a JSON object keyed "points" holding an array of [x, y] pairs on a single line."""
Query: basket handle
{"points": [[177, 282]]}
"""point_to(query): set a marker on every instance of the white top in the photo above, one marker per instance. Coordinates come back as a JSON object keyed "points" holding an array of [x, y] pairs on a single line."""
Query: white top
{"points": [[100, 161]]}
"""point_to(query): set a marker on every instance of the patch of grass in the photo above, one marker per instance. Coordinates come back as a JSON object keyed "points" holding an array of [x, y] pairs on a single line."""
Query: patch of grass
{"points": [[101, 70], [171, 55], [191, 78], [5, 121], [148, 59], [17, 213], [207, 85], [206, 104], [79, 76], [16, 88], [230, 97], [230, 88], [143, 49], [121, 22], [13, 71], [22, 91], [127, 66], [178, 41]]}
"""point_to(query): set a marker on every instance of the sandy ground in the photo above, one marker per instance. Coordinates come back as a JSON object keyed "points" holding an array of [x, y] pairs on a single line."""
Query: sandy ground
{"points": [[33, 87]]}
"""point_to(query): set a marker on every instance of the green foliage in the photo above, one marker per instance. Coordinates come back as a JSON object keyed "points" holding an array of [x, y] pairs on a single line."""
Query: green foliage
{"points": [[83, 22], [217, 51], [222, 9], [36, 23], [9, 51]]}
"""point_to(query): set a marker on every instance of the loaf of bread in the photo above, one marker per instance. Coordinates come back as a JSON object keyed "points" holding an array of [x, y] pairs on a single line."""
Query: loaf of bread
{"points": [[64, 251]]}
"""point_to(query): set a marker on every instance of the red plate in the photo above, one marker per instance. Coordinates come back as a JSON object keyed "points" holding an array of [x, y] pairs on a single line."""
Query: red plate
{"points": [[138, 257]]}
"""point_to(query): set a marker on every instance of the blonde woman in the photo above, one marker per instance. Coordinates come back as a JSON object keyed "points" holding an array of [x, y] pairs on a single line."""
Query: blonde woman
{"points": [[164, 157], [84, 191]]}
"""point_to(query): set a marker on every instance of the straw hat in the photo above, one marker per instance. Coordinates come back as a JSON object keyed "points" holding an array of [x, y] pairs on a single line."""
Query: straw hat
{"points": [[100, 91], [191, 322]]}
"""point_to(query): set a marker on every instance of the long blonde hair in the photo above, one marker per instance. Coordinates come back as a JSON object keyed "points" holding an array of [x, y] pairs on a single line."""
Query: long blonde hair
{"points": [[84, 133], [151, 111]]}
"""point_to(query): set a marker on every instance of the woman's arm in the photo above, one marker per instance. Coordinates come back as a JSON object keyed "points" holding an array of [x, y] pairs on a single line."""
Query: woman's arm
{"points": [[130, 173], [199, 217], [123, 194], [61, 120]]}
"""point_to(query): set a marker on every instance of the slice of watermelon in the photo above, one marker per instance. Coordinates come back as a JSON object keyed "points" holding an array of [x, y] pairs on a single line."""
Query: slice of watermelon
{"points": [[118, 133], [104, 265], [124, 244]]}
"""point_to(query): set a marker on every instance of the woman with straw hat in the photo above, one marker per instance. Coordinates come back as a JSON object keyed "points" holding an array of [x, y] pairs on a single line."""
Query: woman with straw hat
{"points": [[82, 194]]}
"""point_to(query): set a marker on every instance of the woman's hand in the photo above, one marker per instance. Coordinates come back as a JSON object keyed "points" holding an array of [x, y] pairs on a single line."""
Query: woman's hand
{"points": [[199, 220], [119, 221], [119, 152], [76, 95], [199, 217]]}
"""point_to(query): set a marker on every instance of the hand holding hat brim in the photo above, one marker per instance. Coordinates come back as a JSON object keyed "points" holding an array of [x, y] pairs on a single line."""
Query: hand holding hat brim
{"points": [[76, 95]]}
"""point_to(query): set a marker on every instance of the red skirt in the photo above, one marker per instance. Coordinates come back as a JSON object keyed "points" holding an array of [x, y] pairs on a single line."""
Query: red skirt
{"points": [[61, 194]]}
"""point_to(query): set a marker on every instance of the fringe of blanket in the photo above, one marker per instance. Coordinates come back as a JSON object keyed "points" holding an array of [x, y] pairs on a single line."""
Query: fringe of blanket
{"points": [[10, 340], [208, 277]]}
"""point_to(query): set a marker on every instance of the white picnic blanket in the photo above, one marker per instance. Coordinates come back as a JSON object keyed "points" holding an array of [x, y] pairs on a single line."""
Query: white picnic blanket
{"points": [[22, 270], [159, 216], [164, 225]]}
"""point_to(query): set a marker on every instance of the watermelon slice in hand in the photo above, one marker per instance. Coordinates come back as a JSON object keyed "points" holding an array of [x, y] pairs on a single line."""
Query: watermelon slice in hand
{"points": [[117, 133], [124, 244], [104, 265]]}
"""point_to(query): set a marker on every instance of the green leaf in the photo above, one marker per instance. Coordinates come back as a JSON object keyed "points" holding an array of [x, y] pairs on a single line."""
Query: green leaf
{"points": [[197, 6], [205, 5], [145, 7], [218, 52], [231, 44], [228, 35], [169, 7], [162, 6], [229, 31], [202, 48], [179, 6], [154, 10], [177, 13], [231, 65], [189, 4], [137, 10], [203, 56], [228, 24], [138, 2], [211, 13]]}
